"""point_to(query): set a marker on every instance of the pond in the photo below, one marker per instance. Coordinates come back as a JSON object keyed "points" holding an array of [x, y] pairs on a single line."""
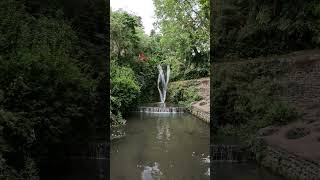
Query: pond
{"points": [[161, 146], [158, 146]]}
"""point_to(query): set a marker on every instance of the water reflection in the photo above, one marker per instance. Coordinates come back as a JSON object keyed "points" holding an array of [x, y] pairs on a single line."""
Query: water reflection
{"points": [[163, 129], [162, 146], [151, 173], [207, 172], [206, 159]]}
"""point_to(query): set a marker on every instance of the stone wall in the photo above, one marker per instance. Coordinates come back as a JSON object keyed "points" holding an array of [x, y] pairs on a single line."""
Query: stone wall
{"points": [[303, 85], [205, 116], [289, 165]]}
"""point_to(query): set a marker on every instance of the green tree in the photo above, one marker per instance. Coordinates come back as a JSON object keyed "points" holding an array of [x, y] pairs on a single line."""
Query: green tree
{"points": [[123, 36], [47, 100], [132, 81], [258, 28], [184, 26]]}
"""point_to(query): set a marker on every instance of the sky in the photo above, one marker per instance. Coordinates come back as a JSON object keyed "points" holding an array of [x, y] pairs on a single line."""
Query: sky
{"points": [[142, 8]]}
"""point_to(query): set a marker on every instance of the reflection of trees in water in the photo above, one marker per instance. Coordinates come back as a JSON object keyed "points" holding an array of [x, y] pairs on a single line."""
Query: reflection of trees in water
{"points": [[163, 128]]}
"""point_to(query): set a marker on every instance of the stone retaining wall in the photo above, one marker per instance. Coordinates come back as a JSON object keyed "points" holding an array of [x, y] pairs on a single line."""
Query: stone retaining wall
{"points": [[303, 90], [205, 116], [288, 165]]}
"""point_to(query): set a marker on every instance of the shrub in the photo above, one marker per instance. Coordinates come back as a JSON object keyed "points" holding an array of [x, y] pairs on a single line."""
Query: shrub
{"points": [[124, 87], [297, 133], [245, 99], [45, 98], [183, 95]]}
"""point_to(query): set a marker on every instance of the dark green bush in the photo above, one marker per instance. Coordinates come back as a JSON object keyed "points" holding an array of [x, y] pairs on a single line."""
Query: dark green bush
{"points": [[245, 98], [124, 87], [253, 28], [45, 97], [133, 81], [146, 75], [183, 95], [297, 133], [195, 73]]}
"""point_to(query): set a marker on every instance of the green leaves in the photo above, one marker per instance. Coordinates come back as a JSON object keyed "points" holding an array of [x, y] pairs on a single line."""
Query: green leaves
{"points": [[184, 27], [125, 88], [245, 98], [11, 13], [123, 35], [258, 28], [132, 81], [183, 94], [45, 97]]}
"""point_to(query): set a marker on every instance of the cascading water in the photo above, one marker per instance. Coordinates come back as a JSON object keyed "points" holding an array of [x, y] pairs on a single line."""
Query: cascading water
{"points": [[162, 85], [163, 81], [161, 109]]}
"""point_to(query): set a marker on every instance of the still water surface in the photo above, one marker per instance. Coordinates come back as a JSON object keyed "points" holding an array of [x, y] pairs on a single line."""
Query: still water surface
{"points": [[173, 147], [161, 146], [157, 147]]}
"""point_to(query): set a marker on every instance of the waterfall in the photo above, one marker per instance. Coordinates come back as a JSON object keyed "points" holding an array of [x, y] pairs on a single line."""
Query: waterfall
{"points": [[163, 81], [161, 109]]}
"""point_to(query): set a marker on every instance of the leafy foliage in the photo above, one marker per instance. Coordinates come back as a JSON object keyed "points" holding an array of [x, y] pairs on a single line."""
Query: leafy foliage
{"points": [[184, 26], [123, 36], [245, 98], [125, 87], [48, 93], [132, 80], [258, 28], [183, 94], [183, 42]]}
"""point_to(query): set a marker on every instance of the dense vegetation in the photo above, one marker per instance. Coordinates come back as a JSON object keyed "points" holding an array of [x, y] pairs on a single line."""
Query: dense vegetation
{"points": [[52, 80], [180, 39], [243, 28], [184, 93], [245, 97], [184, 26], [133, 80]]}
